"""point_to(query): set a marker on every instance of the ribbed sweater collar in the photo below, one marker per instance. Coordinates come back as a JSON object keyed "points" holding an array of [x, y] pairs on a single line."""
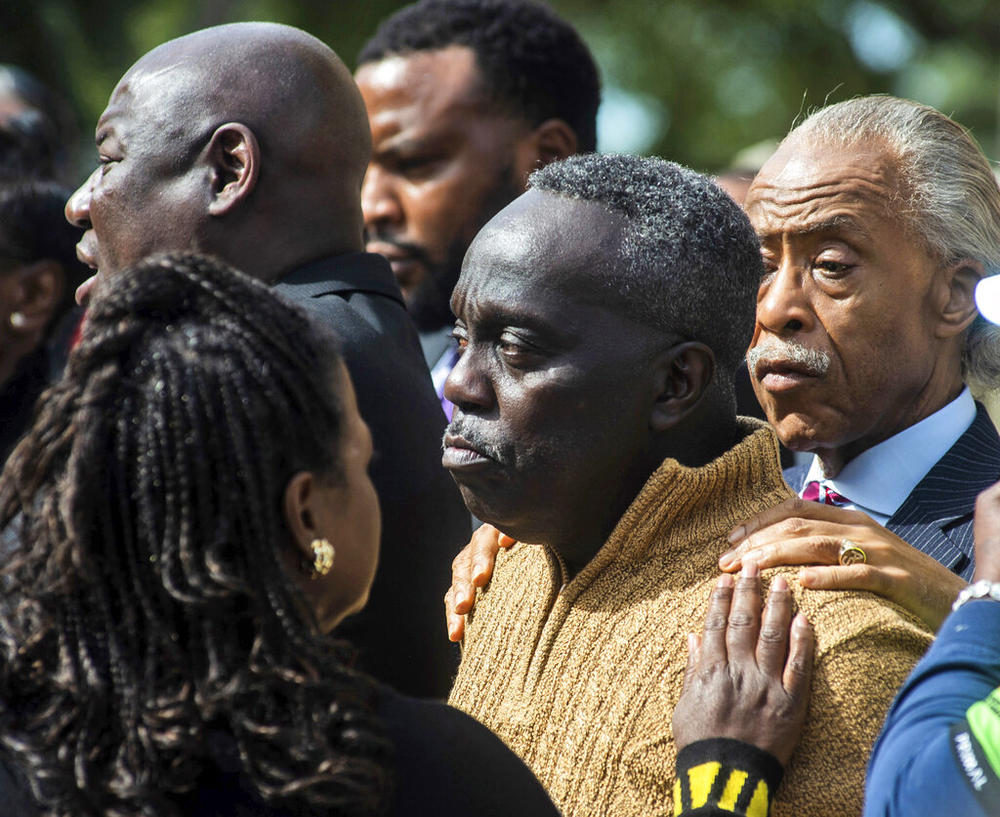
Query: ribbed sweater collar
{"points": [[682, 513]]}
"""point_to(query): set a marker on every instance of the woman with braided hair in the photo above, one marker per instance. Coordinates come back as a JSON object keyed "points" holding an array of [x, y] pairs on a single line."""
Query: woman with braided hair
{"points": [[186, 521]]}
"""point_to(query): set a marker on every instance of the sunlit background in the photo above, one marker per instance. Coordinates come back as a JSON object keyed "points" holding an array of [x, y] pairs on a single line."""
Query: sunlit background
{"points": [[697, 82]]}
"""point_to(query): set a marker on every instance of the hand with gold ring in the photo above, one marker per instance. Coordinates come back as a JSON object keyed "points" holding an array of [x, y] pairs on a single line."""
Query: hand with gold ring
{"points": [[813, 535], [851, 554]]}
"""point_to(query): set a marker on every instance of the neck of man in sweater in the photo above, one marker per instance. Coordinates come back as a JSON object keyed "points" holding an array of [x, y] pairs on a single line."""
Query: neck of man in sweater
{"points": [[694, 442]]}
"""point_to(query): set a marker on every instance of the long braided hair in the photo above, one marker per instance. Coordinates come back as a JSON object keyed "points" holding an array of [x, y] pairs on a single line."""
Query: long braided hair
{"points": [[145, 601]]}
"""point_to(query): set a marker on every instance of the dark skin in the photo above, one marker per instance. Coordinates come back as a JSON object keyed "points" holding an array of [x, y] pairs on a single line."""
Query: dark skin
{"points": [[846, 277], [986, 532], [558, 393], [198, 154], [810, 533], [445, 159], [749, 674], [342, 509], [843, 276], [30, 293]]}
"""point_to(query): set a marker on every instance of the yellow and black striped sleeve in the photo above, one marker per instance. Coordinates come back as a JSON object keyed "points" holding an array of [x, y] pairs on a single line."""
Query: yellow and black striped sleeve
{"points": [[725, 777]]}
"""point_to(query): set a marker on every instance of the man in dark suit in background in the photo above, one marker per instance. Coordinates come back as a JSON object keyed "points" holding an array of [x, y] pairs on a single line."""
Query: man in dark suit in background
{"points": [[877, 216], [465, 98], [249, 142]]}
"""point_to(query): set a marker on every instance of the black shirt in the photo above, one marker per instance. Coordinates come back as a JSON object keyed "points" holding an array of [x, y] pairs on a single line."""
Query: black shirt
{"points": [[446, 763]]}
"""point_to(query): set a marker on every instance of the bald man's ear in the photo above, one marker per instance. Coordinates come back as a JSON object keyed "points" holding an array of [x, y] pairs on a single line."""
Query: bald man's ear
{"points": [[682, 374], [955, 291], [550, 141], [234, 155]]}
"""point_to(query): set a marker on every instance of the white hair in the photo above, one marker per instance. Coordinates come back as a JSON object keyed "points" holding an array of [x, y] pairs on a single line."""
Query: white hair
{"points": [[950, 198]]}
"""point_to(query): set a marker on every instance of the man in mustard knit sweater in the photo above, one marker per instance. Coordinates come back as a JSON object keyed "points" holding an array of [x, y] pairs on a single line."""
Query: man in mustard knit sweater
{"points": [[601, 317]]}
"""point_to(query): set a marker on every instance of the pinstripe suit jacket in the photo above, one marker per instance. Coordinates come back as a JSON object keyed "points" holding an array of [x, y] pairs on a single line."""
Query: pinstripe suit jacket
{"points": [[937, 515]]}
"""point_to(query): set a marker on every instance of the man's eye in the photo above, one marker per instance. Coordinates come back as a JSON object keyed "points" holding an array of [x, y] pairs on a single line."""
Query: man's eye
{"points": [[417, 167], [835, 268], [458, 335], [412, 162], [768, 271], [515, 350]]}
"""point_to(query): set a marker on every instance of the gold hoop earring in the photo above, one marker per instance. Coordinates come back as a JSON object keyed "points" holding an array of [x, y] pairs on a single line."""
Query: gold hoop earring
{"points": [[323, 554]]}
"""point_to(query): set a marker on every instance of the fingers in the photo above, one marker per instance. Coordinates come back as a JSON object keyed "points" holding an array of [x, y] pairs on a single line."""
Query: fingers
{"points": [[849, 577], [923, 587], [795, 519], [797, 678], [772, 644], [787, 550], [453, 621], [471, 568], [484, 547], [694, 657], [793, 507], [461, 593], [713, 641], [744, 615]]}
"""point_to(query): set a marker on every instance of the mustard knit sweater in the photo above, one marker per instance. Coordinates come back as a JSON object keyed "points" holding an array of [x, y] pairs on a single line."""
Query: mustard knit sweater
{"points": [[581, 678]]}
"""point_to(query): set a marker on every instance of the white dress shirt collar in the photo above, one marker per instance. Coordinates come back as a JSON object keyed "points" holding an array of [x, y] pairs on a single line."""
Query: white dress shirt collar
{"points": [[880, 479]]}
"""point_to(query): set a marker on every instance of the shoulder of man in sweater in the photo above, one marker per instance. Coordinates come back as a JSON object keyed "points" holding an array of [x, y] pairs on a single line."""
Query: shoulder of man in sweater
{"points": [[523, 576], [866, 647], [844, 615]]}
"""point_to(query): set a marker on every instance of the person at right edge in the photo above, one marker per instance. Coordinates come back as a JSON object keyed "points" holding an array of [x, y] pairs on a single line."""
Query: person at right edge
{"points": [[939, 751], [740, 717]]}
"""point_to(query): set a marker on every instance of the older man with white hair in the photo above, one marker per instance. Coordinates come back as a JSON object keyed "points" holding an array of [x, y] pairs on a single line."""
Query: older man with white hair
{"points": [[877, 217]]}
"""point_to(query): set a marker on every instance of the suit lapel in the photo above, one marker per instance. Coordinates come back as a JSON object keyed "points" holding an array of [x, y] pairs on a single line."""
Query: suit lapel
{"points": [[937, 515]]}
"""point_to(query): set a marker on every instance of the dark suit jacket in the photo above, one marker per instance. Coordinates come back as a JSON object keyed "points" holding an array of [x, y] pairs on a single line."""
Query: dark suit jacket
{"points": [[937, 515], [401, 633]]}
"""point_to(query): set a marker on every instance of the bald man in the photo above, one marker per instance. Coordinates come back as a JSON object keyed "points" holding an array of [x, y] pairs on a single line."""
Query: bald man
{"points": [[250, 142]]}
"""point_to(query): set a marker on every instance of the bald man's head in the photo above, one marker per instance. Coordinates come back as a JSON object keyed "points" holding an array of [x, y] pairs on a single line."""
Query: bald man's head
{"points": [[285, 84], [249, 141]]}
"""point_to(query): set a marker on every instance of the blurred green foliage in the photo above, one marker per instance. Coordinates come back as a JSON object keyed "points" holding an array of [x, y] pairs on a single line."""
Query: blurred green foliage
{"points": [[713, 76]]}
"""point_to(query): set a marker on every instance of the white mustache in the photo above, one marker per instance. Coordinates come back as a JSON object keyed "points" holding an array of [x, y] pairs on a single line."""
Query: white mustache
{"points": [[815, 360]]}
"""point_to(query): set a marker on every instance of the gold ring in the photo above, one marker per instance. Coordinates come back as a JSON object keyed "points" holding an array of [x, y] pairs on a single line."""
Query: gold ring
{"points": [[851, 553]]}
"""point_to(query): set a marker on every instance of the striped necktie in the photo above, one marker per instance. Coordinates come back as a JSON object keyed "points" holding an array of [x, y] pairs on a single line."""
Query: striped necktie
{"points": [[814, 492]]}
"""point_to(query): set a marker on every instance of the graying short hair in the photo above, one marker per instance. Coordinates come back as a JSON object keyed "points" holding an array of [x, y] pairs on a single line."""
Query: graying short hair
{"points": [[690, 260], [950, 197]]}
